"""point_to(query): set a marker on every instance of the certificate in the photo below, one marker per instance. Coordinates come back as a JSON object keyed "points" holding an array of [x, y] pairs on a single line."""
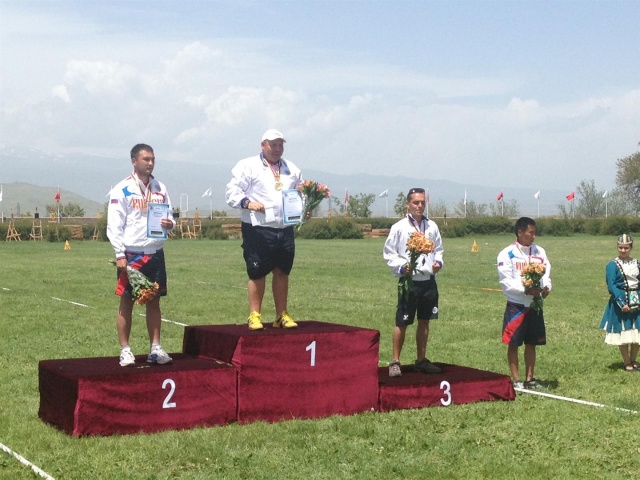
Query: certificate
{"points": [[155, 213], [292, 207], [259, 218]]}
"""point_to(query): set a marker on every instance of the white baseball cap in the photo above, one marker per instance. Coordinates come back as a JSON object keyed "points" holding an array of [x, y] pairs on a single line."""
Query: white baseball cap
{"points": [[272, 134]]}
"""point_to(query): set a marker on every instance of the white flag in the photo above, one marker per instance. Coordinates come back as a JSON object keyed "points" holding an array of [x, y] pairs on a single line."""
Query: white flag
{"points": [[384, 194], [604, 195], [1, 192], [536, 195], [465, 197], [207, 192]]}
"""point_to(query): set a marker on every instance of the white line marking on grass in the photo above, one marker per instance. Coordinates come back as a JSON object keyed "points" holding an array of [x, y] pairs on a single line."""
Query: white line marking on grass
{"points": [[573, 400], [168, 321], [73, 303], [225, 286], [26, 462]]}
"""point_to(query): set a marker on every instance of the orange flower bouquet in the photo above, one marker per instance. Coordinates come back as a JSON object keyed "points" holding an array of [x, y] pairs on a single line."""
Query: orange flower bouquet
{"points": [[143, 289], [417, 245], [312, 195], [531, 275]]}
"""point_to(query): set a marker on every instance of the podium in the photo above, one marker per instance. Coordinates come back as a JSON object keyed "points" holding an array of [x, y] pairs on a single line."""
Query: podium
{"points": [[316, 370], [228, 373], [456, 385], [96, 396]]}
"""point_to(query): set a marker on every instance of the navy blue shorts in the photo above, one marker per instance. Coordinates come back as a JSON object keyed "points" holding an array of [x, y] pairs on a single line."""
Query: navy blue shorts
{"points": [[423, 301], [266, 248], [523, 325], [151, 266]]}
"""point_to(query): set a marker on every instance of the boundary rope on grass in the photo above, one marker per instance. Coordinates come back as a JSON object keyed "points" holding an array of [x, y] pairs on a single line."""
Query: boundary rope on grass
{"points": [[26, 462], [71, 302], [572, 400]]}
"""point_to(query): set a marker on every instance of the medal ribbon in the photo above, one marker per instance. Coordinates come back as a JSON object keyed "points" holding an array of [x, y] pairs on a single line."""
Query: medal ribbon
{"points": [[416, 225], [276, 174], [147, 191]]}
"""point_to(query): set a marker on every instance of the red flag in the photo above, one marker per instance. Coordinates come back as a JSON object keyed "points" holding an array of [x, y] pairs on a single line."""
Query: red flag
{"points": [[346, 196], [57, 197], [500, 195], [571, 196], [427, 198]]}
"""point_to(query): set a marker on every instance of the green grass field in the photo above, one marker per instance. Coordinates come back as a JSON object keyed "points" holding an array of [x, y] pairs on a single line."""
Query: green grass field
{"points": [[335, 281]]}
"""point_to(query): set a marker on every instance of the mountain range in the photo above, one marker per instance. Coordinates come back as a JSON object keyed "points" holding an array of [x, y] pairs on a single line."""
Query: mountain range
{"points": [[31, 178]]}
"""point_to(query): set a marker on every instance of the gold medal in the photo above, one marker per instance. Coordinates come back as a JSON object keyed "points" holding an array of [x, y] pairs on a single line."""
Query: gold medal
{"points": [[278, 185]]}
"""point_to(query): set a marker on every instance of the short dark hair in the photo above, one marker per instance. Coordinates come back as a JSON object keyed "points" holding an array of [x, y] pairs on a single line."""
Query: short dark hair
{"points": [[412, 191], [138, 148], [523, 223]]}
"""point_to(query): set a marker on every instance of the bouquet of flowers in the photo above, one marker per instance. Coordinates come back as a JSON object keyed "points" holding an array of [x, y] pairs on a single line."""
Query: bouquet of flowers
{"points": [[531, 275], [143, 289], [312, 194], [417, 244]]}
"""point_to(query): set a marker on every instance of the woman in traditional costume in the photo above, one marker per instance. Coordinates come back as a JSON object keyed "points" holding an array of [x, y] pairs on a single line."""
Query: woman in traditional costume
{"points": [[621, 319]]}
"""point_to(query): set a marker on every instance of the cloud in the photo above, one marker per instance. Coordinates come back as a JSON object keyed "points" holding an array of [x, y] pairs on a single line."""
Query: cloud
{"points": [[100, 77], [209, 100], [60, 91]]}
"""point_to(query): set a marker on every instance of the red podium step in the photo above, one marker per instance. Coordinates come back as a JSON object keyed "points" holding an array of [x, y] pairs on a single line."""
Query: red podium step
{"points": [[454, 386], [96, 396], [316, 370]]}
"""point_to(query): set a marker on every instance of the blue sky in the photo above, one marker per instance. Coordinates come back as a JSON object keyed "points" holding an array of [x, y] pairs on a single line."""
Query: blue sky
{"points": [[495, 93]]}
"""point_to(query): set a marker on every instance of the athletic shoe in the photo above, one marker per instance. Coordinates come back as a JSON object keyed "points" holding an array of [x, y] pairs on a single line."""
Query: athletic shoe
{"points": [[533, 384], [394, 369], [255, 321], [158, 355], [518, 384], [425, 366], [127, 359], [284, 321]]}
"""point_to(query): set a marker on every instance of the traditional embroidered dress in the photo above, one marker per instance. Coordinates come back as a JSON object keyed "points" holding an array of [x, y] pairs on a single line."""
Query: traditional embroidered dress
{"points": [[622, 281]]}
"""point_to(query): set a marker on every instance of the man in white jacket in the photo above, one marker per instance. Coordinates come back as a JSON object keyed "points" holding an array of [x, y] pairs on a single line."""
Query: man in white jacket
{"points": [[257, 187], [127, 231], [423, 298], [522, 323]]}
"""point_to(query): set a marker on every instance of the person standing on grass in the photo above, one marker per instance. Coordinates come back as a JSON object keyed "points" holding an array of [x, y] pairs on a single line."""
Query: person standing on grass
{"points": [[523, 324], [127, 232], [257, 187], [423, 298], [621, 319]]}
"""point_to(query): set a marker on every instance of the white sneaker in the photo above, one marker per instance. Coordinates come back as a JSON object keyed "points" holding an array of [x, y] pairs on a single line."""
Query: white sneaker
{"points": [[126, 358], [158, 355]]}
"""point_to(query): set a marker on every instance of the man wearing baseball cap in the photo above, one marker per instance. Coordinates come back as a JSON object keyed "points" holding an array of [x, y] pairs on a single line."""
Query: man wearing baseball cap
{"points": [[257, 187]]}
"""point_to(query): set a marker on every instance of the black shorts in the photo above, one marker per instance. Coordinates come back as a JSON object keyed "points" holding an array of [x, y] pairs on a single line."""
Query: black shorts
{"points": [[423, 301], [152, 266], [266, 248], [523, 325]]}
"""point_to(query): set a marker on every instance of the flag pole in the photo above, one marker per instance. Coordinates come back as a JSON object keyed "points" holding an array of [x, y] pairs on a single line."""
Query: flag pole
{"points": [[386, 205], [427, 203], [210, 203]]}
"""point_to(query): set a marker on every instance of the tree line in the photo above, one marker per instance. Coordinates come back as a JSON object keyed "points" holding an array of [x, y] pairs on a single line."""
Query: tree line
{"points": [[589, 201]]}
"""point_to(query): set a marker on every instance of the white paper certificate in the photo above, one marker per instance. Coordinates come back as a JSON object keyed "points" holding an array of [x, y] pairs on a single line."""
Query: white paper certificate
{"points": [[292, 207], [155, 213]]}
